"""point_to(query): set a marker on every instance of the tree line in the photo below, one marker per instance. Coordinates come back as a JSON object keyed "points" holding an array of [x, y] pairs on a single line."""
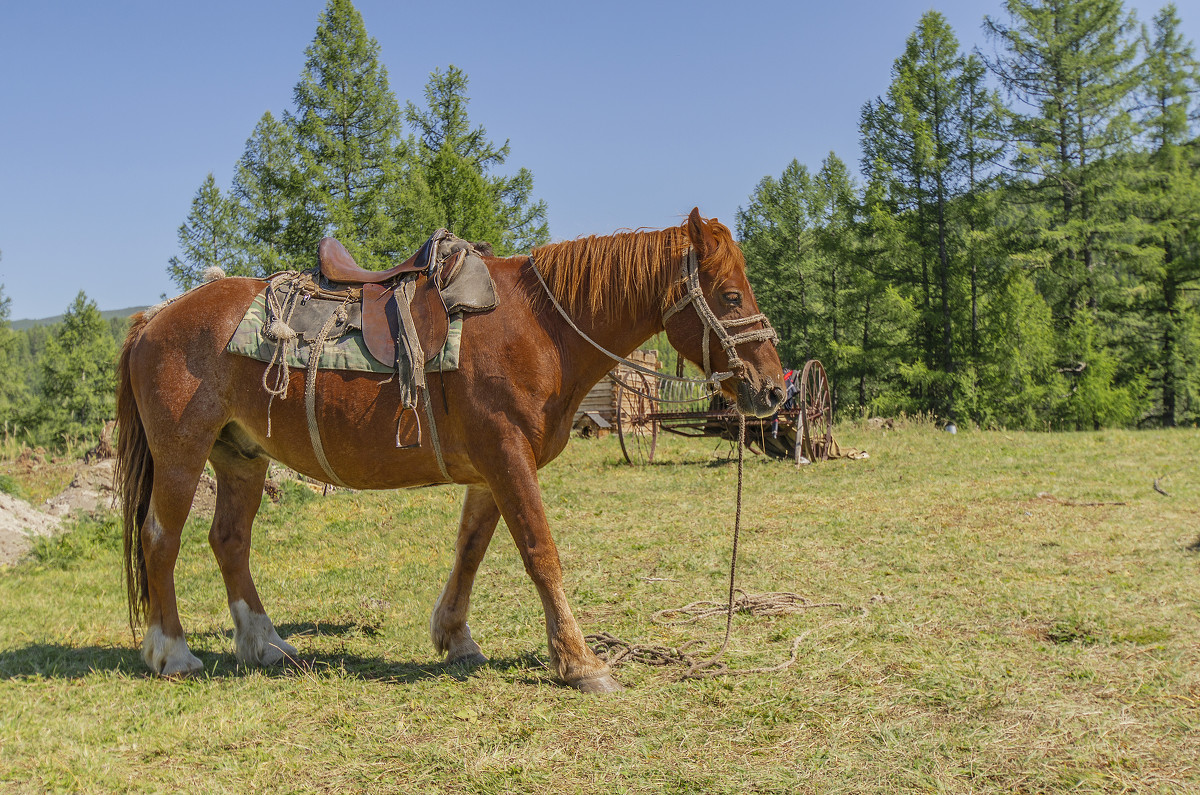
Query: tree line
{"points": [[1023, 246]]}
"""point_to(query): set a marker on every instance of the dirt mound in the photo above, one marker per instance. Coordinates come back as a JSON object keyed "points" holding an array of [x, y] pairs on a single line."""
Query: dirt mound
{"points": [[20, 523], [92, 489]]}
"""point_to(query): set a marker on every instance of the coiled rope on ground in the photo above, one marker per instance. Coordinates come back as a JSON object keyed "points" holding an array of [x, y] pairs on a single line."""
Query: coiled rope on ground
{"points": [[615, 651]]}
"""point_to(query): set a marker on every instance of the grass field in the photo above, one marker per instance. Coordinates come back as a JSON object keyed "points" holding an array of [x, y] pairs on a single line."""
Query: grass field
{"points": [[1019, 614]]}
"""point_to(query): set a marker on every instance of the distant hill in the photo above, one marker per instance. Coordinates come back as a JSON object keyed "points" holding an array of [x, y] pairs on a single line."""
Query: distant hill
{"points": [[17, 325]]}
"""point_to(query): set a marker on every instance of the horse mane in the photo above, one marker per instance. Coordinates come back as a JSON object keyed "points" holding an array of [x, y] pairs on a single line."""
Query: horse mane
{"points": [[635, 270]]}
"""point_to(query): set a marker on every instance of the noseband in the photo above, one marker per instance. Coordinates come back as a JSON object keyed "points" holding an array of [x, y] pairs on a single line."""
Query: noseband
{"points": [[695, 296]]}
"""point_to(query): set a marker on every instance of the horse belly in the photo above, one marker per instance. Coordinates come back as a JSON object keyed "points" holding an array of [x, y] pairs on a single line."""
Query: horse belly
{"points": [[358, 417]]}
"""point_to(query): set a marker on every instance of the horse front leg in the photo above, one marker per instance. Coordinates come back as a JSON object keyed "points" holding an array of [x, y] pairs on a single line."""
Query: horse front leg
{"points": [[448, 623], [515, 487]]}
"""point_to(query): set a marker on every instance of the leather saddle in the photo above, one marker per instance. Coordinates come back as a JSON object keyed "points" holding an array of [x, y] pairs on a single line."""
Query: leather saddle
{"points": [[445, 276], [381, 323], [338, 266]]}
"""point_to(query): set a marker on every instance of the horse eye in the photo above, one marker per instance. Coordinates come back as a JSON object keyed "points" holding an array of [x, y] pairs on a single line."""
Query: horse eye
{"points": [[733, 298]]}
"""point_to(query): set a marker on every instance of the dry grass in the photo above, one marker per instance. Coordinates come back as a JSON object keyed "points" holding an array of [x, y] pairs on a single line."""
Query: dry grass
{"points": [[1000, 634]]}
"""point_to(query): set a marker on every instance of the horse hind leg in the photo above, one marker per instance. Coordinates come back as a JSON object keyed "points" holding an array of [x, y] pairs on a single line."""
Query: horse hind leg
{"points": [[164, 647], [448, 623], [239, 493]]}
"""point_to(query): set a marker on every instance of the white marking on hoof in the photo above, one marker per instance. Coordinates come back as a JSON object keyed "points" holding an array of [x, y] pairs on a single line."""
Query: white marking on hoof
{"points": [[257, 641], [169, 656]]}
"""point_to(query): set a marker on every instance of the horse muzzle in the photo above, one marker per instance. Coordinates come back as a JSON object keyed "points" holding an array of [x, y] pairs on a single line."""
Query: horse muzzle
{"points": [[760, 401]]}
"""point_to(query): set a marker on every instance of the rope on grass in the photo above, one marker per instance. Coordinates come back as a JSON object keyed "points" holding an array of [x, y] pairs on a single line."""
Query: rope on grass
{"points": [[775, 603], [615, 651]]}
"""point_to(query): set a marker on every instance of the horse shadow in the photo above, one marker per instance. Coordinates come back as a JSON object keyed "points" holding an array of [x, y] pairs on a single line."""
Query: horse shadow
{"points": [[59, 661]]}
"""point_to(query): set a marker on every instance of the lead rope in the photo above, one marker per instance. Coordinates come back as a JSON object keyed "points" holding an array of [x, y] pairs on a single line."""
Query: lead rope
{"points": [[709, 667], [615, 651]]}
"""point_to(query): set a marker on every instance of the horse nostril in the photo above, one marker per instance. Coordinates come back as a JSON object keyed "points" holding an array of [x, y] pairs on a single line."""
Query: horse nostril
{"points": [[777, 395]]}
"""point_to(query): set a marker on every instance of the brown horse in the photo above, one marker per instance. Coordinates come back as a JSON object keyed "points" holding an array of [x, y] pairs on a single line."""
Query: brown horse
{"points": [[183, 400]]}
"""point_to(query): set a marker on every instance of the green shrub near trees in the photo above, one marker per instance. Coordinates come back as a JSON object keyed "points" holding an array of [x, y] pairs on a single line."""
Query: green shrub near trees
{"points": [[1024, 247]]}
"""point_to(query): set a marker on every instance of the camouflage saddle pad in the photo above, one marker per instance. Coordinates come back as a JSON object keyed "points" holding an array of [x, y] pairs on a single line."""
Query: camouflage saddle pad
{"points": [[344, 347]]}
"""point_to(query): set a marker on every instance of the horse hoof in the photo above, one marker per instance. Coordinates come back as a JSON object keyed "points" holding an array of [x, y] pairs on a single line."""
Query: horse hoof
{"points": [[473, 659], [278, 652], [169, 657], [604, 683]]}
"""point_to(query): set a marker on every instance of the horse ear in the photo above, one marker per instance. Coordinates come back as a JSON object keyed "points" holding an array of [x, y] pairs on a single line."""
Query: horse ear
{"points": [[700, 235]]}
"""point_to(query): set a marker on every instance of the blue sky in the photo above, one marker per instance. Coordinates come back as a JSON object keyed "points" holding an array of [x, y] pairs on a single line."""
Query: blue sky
{"points": [[628, 114]]}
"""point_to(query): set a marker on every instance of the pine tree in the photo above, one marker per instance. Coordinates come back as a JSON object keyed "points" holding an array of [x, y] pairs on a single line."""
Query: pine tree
{"points": [[775, 230], [1069, 67], [347, 129], [932, 132], [1167, 199], [209, 237], [264, 186], [78, 374], [981, 114], [458, 160]]}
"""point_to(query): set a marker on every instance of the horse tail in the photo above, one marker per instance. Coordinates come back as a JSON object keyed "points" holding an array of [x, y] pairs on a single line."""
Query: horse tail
{"points": [[133, 478]]}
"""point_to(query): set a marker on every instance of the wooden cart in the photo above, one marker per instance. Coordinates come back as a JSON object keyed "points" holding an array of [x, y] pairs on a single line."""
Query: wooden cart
{"points": [[802, 430]]}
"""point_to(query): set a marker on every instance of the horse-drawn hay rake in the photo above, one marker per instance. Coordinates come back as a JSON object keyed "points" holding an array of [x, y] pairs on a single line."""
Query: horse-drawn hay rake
{"points": [[802, 430]]}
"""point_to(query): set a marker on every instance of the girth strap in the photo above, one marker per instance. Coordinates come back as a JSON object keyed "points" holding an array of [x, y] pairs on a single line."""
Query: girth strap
{"points": [[310, 394]]}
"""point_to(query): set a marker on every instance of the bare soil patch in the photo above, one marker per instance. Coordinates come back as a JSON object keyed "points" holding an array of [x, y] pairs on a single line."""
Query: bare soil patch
{"points": [[20, 523], [90, 490]]}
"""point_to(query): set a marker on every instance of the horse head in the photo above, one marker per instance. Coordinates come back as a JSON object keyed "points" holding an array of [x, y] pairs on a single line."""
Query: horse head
{"points": [[717, 325]]}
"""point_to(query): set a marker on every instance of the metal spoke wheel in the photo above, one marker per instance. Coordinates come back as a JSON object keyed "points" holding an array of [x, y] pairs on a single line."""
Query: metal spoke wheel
{"points": [[636, 428], [816, 416]]}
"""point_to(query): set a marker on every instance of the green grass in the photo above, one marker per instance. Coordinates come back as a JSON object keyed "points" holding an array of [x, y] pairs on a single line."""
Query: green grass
{"points": [[998, 634]]}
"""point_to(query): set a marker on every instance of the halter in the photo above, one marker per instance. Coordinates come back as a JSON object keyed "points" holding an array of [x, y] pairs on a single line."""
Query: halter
{"points": [[695, 296], [690, 275]]}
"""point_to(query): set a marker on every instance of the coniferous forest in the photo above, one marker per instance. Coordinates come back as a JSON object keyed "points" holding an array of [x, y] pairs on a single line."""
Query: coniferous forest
{"points": [[1018, 246], [1021, 247]]}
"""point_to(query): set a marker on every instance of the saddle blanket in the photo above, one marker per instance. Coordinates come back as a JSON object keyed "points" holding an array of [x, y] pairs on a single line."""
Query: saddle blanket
{"points": [[344, 348]]}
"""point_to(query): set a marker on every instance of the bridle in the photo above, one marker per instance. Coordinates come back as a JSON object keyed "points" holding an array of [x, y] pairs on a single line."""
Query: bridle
{"points": [[712, 324], [690, 275]]}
